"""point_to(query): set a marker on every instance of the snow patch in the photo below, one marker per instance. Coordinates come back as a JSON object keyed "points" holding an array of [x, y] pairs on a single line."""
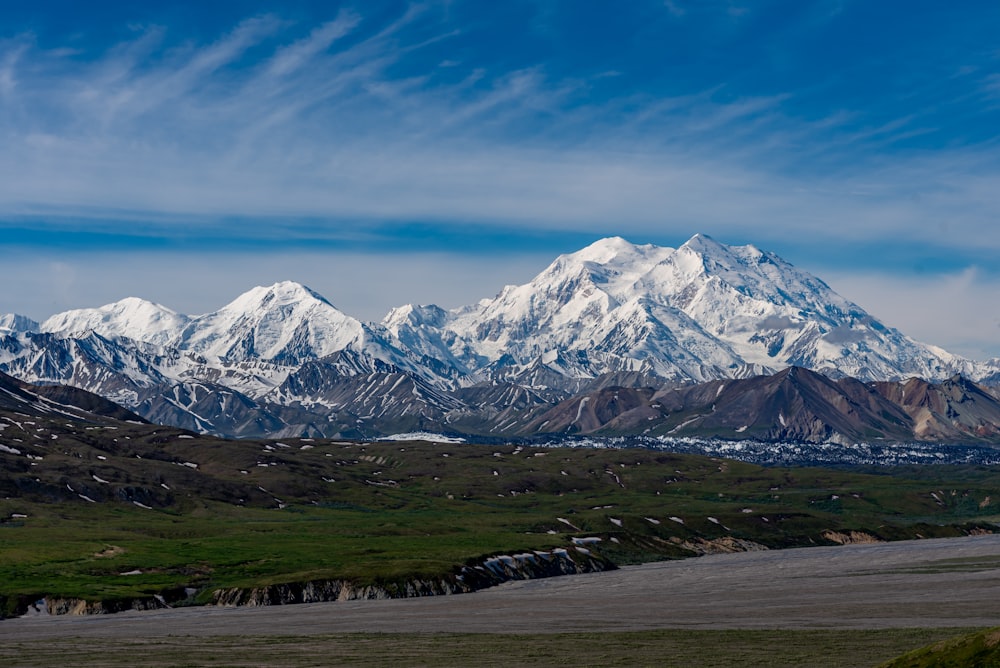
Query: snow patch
{"points": [[568, 523], [423, 436]]}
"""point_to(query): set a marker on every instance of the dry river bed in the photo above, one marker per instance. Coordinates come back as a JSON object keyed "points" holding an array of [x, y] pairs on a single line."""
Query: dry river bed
{"points": [[911, 584]]}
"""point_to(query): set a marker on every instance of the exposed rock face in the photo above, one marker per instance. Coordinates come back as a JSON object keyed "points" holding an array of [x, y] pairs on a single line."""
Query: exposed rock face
{"points": [[76, 606], [329, 590], [488, 573], [955, 408], [850, 537], [723, 545]]}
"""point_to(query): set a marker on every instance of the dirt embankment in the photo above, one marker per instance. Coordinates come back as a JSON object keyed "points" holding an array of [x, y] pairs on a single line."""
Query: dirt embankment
{"points": [[488, 572]]}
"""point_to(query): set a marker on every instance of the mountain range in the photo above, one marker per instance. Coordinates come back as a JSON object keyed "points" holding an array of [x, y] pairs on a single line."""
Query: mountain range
{"points": [[615, 338]]}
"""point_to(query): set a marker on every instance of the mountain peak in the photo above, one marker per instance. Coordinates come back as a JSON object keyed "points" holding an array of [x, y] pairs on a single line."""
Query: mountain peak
{"points": [[282, 293], [701, 238], [16, 323], [609, 249], [285, 322], [428, 315], [131, 317], [706, 246], [613, 263], [613, 242]]}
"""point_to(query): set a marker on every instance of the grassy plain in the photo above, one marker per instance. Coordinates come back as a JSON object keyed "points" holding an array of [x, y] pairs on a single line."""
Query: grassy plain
{"points": [[253, 513]]}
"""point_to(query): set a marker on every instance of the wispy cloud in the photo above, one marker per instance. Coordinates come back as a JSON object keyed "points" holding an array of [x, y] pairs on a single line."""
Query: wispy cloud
{"points": [[8, 64], [674, 8], [991, 86], [351, 124]]}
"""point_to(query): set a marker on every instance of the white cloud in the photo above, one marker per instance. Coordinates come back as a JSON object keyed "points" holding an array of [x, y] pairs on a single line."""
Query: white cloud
{"points": [[958, 311]]}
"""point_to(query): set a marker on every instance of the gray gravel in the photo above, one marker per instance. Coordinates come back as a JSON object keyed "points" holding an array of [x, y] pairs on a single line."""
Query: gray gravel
{"points": [[927, 583]]}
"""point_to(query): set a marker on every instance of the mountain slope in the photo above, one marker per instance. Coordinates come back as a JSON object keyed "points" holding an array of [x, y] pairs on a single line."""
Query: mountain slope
{"points": [[794, 405], [115, 369], [953, 409], [59, 401]]}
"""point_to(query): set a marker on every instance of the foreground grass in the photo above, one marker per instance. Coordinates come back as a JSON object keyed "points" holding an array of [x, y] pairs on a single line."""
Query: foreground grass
{"points": [[979, 649], [815, 648]]}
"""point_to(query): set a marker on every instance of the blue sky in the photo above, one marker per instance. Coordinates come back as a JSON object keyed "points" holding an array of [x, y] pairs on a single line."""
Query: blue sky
{"points": [[386, 152]]}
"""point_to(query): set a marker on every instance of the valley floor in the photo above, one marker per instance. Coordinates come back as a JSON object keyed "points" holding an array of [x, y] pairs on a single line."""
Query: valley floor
{"points": [[934, 583]]}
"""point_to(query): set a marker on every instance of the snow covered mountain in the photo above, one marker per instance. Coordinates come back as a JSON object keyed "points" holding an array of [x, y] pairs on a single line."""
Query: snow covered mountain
{"points": [[581, 317], [700, 312], [285, 323], [283, 359], [130, 318]]}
